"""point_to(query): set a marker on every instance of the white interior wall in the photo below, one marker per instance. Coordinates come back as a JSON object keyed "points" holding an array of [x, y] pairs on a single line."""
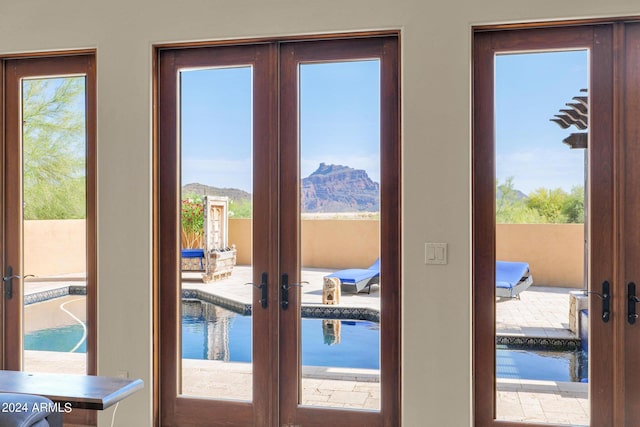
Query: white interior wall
{"points": [[436, 64]]}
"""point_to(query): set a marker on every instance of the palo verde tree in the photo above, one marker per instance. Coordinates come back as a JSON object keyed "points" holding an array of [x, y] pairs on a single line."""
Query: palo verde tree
{"points": [[511, 207], [54, 141], [543, 205], [557, 206]]}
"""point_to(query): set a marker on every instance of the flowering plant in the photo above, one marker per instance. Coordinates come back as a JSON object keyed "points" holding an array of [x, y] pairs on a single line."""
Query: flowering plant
{"points": [[192, 216]]}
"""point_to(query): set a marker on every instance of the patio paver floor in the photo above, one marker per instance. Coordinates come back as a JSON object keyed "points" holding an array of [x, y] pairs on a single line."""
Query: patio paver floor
{"points": [[541, 312]]}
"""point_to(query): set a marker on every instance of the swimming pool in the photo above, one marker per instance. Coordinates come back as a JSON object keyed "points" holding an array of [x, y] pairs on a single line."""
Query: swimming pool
{"points": [[210, 332], [571, 365], [226, 335], [63, 338]]}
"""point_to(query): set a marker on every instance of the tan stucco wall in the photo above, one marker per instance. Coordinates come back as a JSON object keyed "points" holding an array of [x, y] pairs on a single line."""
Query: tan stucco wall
{"points": [[325, 243], [340, 243], [55, 247], [555, 252], [436, 154], [240, 235]]}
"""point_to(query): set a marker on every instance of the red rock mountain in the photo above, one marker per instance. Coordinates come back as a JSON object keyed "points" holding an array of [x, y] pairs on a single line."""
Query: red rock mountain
{"points": [[331, 188], [337, 188]]}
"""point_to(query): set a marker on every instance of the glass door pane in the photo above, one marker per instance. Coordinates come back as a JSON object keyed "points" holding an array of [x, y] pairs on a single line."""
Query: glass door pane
{"points": [[216, 217], [340, 234], [54, 215], [542, 318]]}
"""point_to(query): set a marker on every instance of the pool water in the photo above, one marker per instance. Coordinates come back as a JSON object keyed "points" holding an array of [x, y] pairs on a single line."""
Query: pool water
{"points": [[571, 365], [213, 333], [227, 336], [64, 338]]}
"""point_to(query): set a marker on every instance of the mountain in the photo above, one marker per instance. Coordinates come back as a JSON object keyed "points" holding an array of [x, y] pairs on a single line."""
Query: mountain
{"points": [[519, 195], [337, 188], [202, 190], [330, 188]]}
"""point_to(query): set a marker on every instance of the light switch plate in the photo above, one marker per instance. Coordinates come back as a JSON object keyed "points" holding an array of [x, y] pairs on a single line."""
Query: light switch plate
{"points": [[435, 253]]}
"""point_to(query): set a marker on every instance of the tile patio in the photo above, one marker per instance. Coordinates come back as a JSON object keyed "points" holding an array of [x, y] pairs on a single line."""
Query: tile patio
{"points": [[541, 312]]}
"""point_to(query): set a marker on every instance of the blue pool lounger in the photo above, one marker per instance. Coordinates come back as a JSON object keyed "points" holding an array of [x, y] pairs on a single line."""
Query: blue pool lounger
{"points": [[359, 278], [512, 278]]}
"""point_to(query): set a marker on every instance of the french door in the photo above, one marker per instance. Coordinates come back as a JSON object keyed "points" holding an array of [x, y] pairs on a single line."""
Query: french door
{"points": [[299, 141], [49, 227], [594, 68]]}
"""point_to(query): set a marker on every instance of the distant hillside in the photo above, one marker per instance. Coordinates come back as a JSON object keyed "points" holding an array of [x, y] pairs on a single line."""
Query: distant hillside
{"points": [[207, 190], [329, 189], [337, 188], [518, 194]]}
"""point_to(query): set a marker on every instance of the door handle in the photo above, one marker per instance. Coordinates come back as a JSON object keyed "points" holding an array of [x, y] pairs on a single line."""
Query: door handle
{"points": [[263, 290], [8, 281], [632, 299], [284, 290], [605, 296]]}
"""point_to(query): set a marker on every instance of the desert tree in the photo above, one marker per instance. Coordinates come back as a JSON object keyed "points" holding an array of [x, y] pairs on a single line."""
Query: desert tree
{"points": [[54, 147]]}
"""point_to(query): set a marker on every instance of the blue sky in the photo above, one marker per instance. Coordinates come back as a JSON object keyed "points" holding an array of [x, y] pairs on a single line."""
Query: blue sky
{"points": [[530, 88], [340, 116], [339, 121], [216, 127]]}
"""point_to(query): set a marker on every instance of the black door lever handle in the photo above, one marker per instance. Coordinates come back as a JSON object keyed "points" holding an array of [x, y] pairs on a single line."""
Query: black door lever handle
{"points": [[606, 298], [8, 281], [263, 290], [632, 299], [284, 289]]}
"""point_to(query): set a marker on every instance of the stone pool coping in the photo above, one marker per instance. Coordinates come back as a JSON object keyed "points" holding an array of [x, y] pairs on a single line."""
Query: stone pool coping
{"points": [[58, 292], [308, 310], [538, 343], [526, 335]]}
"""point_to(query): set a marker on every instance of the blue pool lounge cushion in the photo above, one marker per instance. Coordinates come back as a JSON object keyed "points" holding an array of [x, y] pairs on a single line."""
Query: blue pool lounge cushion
{"points": [[359, 278], [512, 278], [193, 253], [25, 410]]}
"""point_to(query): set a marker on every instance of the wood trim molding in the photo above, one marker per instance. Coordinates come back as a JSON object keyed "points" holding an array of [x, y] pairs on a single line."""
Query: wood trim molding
{"points": [[283, 39], [47, 64], [170, 57], [486, 44], [387, 51], [561, 23], [49, 54]]}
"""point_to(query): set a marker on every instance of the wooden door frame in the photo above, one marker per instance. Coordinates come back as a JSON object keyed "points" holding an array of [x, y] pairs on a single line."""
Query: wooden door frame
{"points": [[175, 409], [292, 54], [165, 223], [15, 68], [486, 43], [627, 409]]}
